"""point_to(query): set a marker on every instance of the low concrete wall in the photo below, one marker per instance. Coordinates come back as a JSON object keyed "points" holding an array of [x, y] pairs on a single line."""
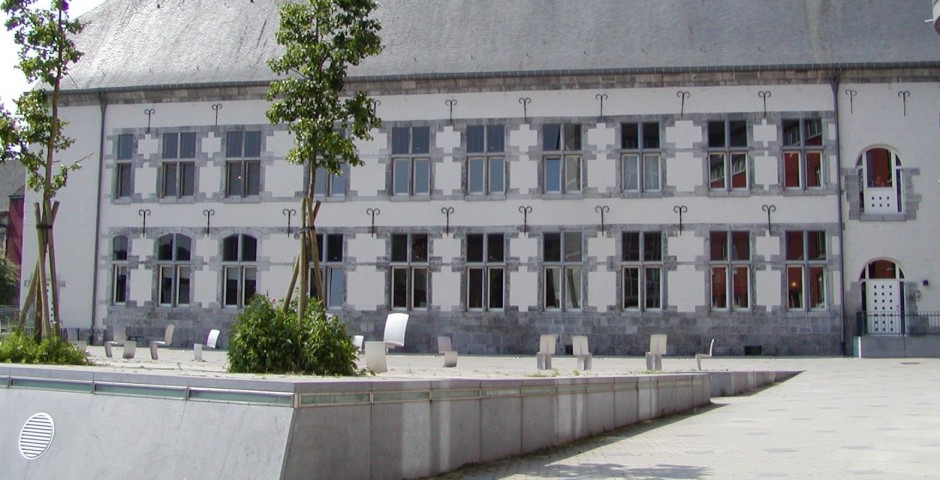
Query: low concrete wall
{"points": [[729, 384], [125, 425], [876, 346]]}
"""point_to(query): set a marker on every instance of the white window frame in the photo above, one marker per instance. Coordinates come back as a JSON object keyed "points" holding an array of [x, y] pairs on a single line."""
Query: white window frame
{"points": [[727, 160], [731, 267], [488, 266], [413, 267], [179, 164], [645, 263], [245, 269], [412, 164], [249, 184], [806, 265], [641, 160], [799, 148], [568, 270], [179, 269]]}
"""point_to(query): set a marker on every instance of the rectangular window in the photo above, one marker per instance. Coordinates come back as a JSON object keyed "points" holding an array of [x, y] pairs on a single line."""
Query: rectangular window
{"points": [[802, 154], [179, 167], [411, 164], [485, 161], [730, 266], [562, 260], [728, 155], [485, 271], [120, 285], [331, 259], [641, 257], [561, 146], [806, 269], [123, 168], [328, 184], [409, 271], [640, 158], [243, 164]]}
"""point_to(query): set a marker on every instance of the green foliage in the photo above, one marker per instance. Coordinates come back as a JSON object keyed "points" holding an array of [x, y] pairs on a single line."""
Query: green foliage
{"points": [[18, 347], [270, 339], [9, 281], [321, 39]]}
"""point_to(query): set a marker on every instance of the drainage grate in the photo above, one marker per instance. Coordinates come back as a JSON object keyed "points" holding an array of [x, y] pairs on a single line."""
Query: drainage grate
{"points": [[36, 436]]}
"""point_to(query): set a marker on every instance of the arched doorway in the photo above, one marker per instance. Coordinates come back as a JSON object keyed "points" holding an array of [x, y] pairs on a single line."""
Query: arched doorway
{"points": [[883, 294]]}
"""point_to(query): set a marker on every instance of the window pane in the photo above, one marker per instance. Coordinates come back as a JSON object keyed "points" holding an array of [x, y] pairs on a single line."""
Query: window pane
{"points": [[230, 249], [553, 288], [631, 172], [401, 140], [166, 285], [651, 135], [741, 276], [399, 248], [187, 181], [475, 140], [791, 169], [253, 180], [231, 286], [419, 248], [738, 133], [496, 288], [235, 179], [399, 288], [816, 245], [320, 181], [718, 245], [233, 144], [182, 295], [653, 288], [817, 287], [169, 180], [794, 287], [338, 184], [716, 134], [572, 137], [552, 247], [249, 248], [188, 145], [629, 136], [170, 145], [183, 248], [814, 169], [165, 248], [402, 176], [794, 245], [494, 247], [879, 168], [475, 173], [475, 288], [551, 137], [653, 246], [125, 147], [497, 175], [553, 174], [120, 284], [631, 247], [651, 172], [252, 144], [420, 291], [572, 246], [337, 289], [334, 248], [495, 138], [631, 287], [738, 170], [791, 133], [124, 180], [572, 287], [719, 287], [475, 248], [740, 246], [119, 248], [716, 170], [572, 174], [813, 131], [420, 140], [251, 284]]}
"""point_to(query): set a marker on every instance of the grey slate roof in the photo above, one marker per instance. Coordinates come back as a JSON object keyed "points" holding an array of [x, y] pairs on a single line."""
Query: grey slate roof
{"points": [[130, 43]]}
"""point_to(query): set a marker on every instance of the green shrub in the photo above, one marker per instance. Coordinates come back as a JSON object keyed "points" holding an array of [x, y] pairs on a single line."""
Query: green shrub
{"points": [[268, 339], [18, 347]]}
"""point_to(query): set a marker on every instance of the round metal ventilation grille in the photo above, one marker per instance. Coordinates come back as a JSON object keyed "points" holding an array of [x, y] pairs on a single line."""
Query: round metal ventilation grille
{"points": [[36, 436]]}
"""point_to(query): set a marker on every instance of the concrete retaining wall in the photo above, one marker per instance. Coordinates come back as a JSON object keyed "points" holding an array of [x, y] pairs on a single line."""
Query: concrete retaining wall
{"points": [[874, 346]]}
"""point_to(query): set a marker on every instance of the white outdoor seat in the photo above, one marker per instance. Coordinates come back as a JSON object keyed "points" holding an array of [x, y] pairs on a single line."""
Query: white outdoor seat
{"points": [[700, 356], [543, 359], [211, 342], [375, 357], [357, 341], [579, 347], [71, 334], [395, 325], [119, 340], [445, 346], [654, 357], [166, 342]]}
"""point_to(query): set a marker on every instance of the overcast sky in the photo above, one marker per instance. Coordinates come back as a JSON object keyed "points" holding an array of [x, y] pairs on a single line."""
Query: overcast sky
{"points": [[12, 83]]}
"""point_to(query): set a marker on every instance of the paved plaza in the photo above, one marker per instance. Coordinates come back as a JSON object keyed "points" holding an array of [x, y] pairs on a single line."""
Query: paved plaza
{"points": [[840, 418]]}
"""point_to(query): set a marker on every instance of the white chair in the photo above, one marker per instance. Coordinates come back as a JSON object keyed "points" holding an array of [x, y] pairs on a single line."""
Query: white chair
{"points": [[375, 357], [700, 356], [579, 347], [211, 342], [654, 357], [543, 359], [166, 342], [119, 340], [445, 346], [71, 334], [357, 341], [395, 325]]}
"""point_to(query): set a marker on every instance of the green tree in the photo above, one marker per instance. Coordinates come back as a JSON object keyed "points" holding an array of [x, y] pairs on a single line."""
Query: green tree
{"points": [[34, 133], [321, 39]]}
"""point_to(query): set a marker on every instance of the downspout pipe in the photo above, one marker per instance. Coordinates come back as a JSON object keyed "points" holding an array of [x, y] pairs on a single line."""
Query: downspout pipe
{"points": [[836, 82], [103, 105]]}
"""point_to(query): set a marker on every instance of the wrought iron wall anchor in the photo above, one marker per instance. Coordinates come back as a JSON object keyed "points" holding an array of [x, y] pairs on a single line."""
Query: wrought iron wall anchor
{"points": [[144, 212], [217, 107], [601, 97], [450, 104], [375, 106], [764, 95], [904, 94], [682, 94], [149, 112], [289, 212], [525, 101], [373, 212], [602, 209], [851, 93], [447, 211], [525, 211], [680, 209], [208, 213], [769, 209]]}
